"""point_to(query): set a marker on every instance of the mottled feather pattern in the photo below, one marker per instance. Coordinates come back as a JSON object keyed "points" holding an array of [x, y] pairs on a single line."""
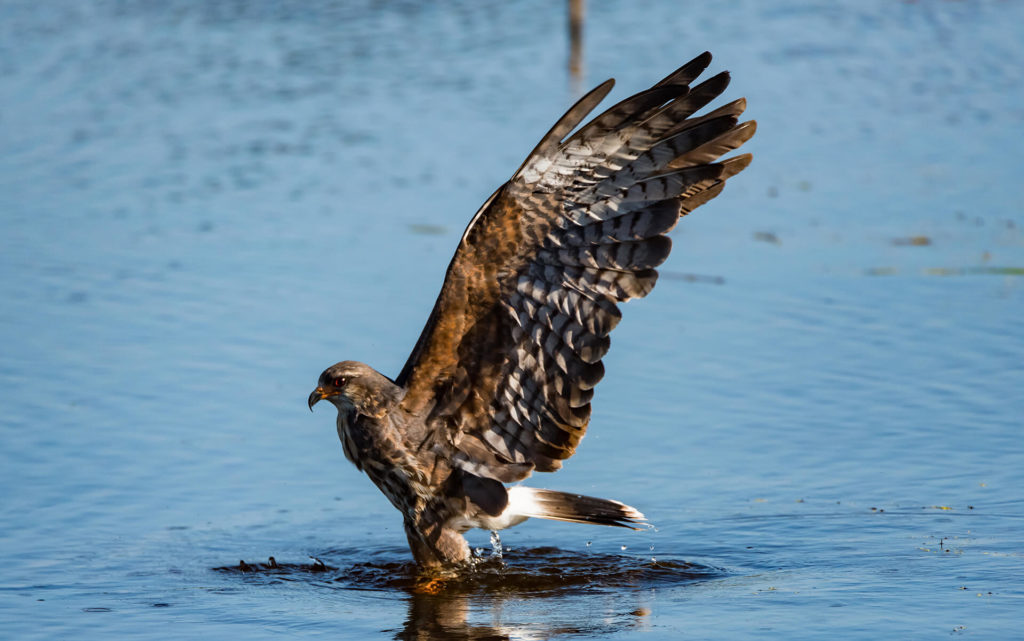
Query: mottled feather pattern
{"points": [[578, 229]]}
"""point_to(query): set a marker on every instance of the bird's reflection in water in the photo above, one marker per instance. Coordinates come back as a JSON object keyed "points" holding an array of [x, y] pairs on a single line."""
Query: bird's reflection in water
{"points": [[535, 593], [442, 616]]}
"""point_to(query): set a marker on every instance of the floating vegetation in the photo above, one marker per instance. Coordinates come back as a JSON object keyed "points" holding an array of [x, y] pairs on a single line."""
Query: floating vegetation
{"points": [[427, 229], [692, 278], [912, 241], [767, 237], [970, 271], [951, 271], [881, 271]]}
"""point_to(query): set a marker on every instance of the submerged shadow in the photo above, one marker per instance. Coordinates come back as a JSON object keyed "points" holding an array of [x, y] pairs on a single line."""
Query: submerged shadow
{"points": [[485, 600]]}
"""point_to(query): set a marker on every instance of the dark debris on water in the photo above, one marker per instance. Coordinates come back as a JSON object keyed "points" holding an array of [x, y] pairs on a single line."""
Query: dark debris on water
{"points": [[273, 567]]}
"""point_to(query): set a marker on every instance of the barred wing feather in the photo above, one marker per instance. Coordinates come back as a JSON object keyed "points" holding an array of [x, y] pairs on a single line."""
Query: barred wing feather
{"points": [[506, 365]]}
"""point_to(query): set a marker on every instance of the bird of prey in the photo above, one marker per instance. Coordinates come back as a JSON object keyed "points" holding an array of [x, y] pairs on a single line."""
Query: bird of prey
{"points": [[500, 381]]}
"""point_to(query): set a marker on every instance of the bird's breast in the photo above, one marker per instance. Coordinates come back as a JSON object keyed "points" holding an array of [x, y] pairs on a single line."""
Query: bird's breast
{"points": [[373, 446]]}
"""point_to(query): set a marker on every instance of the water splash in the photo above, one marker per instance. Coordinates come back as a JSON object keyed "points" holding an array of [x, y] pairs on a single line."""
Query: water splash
{"points": [[495, 545], [535, 571]]}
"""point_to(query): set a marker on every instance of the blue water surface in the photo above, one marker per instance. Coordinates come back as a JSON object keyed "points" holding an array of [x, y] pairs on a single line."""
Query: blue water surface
{"points": [[820, 407]]}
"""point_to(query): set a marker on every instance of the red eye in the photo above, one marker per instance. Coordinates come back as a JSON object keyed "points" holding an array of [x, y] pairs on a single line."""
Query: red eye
{"points": [[339, 382]]}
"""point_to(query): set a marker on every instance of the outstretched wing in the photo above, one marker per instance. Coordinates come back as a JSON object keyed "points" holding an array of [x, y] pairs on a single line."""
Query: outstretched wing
{"points": [[509, 358]]}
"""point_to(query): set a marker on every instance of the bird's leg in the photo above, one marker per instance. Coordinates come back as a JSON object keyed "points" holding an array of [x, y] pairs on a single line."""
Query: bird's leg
{"points": [[421, 552], [435, 546]]}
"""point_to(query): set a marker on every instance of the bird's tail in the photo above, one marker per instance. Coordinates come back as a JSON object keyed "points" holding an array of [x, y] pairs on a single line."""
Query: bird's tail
{"points": [[574, 508]]}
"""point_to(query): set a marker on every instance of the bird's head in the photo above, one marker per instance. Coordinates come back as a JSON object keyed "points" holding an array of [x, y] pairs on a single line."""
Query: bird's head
{"points": [[350, 385]]}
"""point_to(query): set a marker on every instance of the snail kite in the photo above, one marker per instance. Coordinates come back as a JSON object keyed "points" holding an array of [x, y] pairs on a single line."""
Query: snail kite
{"points": [[500, 381]]}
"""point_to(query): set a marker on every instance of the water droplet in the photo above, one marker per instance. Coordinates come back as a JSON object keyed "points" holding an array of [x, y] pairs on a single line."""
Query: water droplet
{"points": [[495, 545]]}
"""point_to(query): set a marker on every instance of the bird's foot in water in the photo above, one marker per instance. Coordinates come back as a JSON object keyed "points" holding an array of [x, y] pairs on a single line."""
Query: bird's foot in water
{"points": [[429, 585]]}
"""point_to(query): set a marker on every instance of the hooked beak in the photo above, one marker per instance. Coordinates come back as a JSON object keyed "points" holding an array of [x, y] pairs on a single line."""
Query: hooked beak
{"points": [[315, 397]]}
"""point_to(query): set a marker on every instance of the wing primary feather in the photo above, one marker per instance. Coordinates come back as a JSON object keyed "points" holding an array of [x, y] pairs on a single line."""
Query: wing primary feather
{"points": [[687, 73], [634, 108], [567, 123], [711, 150]]}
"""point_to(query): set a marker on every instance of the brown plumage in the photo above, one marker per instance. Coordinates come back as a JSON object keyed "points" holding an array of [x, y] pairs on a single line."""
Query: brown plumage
{"points": [[500, 381]]}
